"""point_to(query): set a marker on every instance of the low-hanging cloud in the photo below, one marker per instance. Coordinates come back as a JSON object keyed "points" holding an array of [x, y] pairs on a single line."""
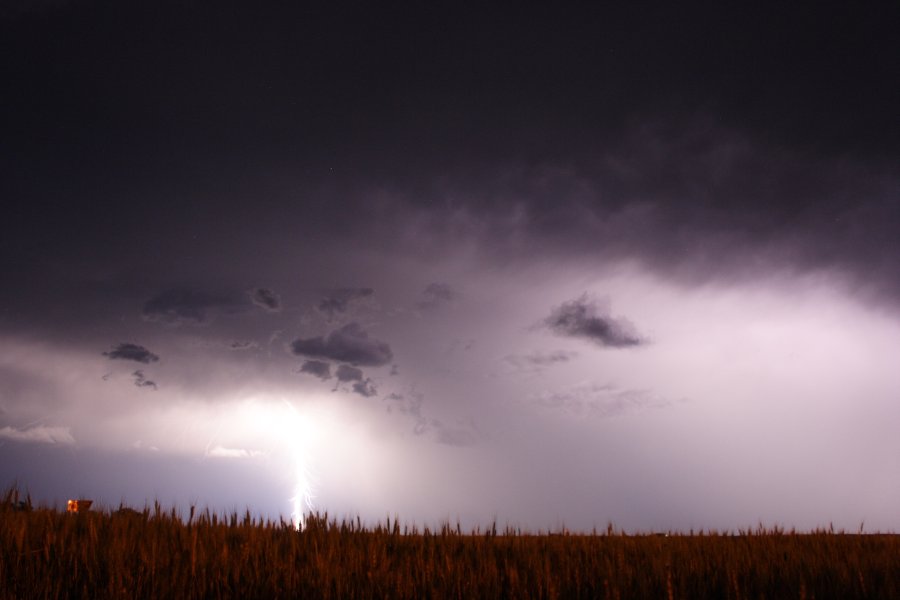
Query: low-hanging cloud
{"points": [[581, 318], [344, 374], [266, 299], [350, 344], [361, 384], [129, 351], [39, 434], [537, 361], [365, 388], [180, 306], [347, 373], [317, 368], [242, 345], [339, 301], [141, 381]]}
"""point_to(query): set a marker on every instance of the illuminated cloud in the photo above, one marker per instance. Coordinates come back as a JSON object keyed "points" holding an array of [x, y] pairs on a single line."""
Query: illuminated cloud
{"points": [[128, 351], [580, 318], [223, 452], [350, 344], [599, 400], [463, 434], [410, 405], [537, 361], [38, 434]]}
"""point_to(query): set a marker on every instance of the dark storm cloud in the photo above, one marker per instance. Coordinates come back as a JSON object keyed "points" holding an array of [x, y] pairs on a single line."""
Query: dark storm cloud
{"points": [[365, 388], [140, 380], [580, 318], [184, 306], [266, 299], [435, 295], [691, 198], [129, 351], [339, 301], [350, 344], [14, 8], [361, 384], [347, 373], [721, 150], [317, 368]]}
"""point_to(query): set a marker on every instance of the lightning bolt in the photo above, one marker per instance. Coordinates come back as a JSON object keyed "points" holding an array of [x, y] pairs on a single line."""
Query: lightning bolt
{"points": [[303, 489]]}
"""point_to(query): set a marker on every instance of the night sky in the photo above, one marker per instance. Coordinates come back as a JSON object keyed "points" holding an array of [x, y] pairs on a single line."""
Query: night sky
{"points": [[556, 266]]}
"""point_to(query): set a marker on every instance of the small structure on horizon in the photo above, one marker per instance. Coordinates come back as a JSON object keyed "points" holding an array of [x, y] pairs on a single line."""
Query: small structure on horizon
{"points": [[77, 506]]}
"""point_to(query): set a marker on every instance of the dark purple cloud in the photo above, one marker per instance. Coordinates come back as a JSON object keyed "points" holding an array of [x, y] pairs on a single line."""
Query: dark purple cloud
{"points": [[242, 345], [365, 388], [129, 351], [141, 381], [360, 383], [179, 306], [347, 373], [317, 368], [580, 318], [339, 301], [350, 344], [266, 299]]}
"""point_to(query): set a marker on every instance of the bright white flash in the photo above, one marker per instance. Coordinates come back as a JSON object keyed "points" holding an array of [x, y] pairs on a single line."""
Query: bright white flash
{"points": [[279, 427], [296, 438], [284, 425]]}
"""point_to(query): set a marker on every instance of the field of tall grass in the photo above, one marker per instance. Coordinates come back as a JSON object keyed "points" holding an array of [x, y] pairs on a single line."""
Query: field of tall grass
{"points": [[154, 553]]}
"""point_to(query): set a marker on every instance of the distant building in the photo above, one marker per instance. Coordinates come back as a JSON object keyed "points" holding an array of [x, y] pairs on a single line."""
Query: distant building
{"points": [[76, 506]]}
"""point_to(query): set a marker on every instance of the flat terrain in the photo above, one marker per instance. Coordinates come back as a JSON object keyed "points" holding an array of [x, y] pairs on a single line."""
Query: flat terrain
{"points": [[157, 554]]}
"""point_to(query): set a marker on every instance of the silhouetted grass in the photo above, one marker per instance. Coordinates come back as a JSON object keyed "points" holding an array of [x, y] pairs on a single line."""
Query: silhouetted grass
{"points": [[156, 554]]}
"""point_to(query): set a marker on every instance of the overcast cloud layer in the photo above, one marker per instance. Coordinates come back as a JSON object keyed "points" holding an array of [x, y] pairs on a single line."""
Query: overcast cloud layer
{"points": [[548, 267]]}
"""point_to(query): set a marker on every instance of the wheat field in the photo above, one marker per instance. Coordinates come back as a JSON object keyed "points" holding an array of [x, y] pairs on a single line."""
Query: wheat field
{"points": [[157, 553]]}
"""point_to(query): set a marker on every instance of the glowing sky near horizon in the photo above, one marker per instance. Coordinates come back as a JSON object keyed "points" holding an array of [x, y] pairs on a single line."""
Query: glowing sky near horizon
{"points": [[587, 274]]}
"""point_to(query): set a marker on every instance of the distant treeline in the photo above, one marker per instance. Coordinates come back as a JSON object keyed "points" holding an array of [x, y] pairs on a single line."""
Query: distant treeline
{"points": [[155, 553]]}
